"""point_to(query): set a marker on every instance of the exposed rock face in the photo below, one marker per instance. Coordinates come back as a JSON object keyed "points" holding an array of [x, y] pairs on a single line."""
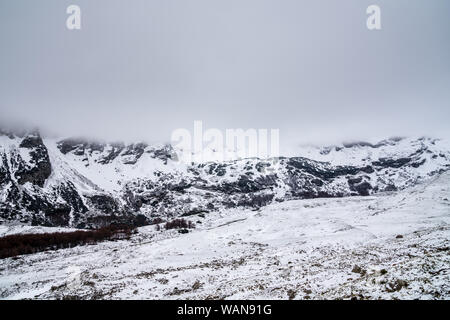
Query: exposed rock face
{"points": [[84, 184], [133, 153], [38, 168]]}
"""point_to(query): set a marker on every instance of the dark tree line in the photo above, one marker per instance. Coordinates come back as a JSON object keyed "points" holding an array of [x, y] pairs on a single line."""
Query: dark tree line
{"points": [[18, 244]]}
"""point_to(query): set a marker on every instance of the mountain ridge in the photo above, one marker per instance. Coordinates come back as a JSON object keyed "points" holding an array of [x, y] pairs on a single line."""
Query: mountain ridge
{"points": [[77, 183]]}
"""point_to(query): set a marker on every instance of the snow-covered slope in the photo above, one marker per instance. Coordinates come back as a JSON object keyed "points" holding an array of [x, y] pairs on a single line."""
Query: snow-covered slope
{"points": [[78, 183], [392, 246], [363, 153]]}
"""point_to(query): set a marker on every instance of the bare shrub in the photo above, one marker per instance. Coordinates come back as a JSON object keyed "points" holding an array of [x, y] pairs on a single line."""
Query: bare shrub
{"points": [[157, 220], [179, 224]]}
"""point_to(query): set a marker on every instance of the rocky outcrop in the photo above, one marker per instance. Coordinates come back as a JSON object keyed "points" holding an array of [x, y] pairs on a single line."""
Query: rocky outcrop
{"points": [[38, 168]]}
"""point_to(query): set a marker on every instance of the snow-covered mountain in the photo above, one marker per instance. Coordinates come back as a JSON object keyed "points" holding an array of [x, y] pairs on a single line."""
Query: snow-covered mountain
{"points": [[387, 246], [79, 183]]}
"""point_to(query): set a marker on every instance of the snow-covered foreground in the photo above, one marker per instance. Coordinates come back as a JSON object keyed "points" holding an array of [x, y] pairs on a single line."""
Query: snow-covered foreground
{"points": [[390, 246]]}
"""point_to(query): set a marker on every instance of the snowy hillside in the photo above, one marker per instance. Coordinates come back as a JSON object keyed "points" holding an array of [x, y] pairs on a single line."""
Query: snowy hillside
{"points": [[392, 246], [82, 184]]}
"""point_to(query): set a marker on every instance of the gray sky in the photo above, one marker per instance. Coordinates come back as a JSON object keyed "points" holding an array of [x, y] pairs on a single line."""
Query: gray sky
{"points": [[139, 69]]}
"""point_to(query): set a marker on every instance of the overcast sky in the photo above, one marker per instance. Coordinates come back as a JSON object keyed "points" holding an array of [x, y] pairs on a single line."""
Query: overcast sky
{"points": [[139, 69]]}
